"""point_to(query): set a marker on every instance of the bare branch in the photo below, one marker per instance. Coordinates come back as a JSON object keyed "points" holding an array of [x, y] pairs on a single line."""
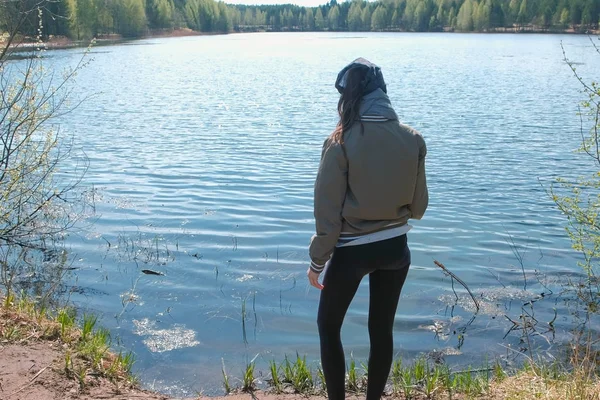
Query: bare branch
{"points": [[453, 276]]}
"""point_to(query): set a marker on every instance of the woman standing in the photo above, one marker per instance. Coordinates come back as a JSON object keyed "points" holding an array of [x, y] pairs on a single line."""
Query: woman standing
{"points": [[371, 181]]}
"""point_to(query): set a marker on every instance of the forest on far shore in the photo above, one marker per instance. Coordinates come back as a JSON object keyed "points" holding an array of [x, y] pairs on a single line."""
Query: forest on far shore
{"points": [[86, 19]]}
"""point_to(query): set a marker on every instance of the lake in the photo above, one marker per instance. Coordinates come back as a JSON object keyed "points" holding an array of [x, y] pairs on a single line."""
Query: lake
{"points": [[204, 150]]}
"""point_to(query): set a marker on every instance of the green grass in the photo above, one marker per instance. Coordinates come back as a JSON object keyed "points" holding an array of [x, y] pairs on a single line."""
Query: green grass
{"points": [[87, 346], [352, 381], [226, 383], [275, 379], [302, 380], [248, 381], [95, 346], [420, 370], [66, 319], [432, 382], [470, 383], [68, 361], [321, 380], [407, 381], [498, 372], [297, 375], [89, 322], [396, 376]]}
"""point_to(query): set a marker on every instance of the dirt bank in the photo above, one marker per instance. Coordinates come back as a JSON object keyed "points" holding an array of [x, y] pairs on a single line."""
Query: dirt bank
{"points": [[35, 371]]}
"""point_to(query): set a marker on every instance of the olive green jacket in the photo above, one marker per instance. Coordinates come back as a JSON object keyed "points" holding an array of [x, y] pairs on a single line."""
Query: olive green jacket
{"points": [[375, 180]]}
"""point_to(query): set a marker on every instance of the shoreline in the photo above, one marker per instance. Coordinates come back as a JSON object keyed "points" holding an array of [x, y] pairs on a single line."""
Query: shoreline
{"points": [[63, 42], [48, 355]]}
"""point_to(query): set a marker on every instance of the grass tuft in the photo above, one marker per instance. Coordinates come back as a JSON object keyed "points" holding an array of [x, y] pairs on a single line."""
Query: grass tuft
{"points": [[352, 378], [248, 381], [298, 375], [321, 380], [226, 383], [275, 378], [302, 381]]}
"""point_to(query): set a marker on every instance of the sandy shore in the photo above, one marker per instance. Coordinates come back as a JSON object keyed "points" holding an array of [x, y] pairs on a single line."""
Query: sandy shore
{"points": [[35, 371]]}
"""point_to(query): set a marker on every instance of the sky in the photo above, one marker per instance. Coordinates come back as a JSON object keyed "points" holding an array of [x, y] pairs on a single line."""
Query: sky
{"points": [[305, 3]]}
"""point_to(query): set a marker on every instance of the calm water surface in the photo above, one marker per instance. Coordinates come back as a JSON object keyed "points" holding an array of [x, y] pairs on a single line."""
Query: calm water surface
{"points": [[204, 150]]}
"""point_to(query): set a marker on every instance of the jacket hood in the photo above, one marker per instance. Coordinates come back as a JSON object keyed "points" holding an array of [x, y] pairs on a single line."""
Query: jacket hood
{"points": [[377, 103], [373, 79]]}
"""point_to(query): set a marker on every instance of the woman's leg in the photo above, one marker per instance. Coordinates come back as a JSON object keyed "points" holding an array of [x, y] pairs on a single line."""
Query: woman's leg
{"points": [[340, 284], [384, 287]]}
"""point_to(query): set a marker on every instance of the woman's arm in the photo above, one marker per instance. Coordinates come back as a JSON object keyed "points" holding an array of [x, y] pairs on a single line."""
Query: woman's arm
{"points": [[330, 192], [421, 195]]}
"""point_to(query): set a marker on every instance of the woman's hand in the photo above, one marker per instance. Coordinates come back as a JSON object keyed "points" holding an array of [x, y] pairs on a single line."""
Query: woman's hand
{"points": [[313, 278]]}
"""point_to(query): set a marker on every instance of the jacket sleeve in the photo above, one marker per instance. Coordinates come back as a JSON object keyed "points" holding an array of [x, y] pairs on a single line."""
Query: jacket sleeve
{"points": [[330, 192], [421, 194]]}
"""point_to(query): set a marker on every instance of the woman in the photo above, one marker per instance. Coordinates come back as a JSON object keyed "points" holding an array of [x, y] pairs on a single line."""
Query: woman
{"points": [[371, 181]]}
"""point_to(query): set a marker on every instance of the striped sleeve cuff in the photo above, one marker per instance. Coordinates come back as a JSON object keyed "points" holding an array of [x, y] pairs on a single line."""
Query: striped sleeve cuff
{"points": [[316, 267]]}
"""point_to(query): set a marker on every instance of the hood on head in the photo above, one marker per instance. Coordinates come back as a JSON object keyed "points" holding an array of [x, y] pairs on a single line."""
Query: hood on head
{"points": [[373, 78]]}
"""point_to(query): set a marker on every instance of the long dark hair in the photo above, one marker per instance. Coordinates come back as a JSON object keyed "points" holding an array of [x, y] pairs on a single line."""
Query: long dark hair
{"points": [[349, 103]]}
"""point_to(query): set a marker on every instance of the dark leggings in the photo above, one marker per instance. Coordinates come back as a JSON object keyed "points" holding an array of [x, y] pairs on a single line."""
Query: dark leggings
{"points": [[387, 264]]}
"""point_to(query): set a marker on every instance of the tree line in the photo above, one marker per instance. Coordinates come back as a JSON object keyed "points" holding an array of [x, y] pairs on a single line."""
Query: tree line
{"points": [[84, 19]]}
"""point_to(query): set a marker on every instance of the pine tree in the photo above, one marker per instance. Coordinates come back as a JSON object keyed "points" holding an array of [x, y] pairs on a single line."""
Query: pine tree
{"points": [[73, 22], [481, 19], [333, 17], [523, 17], [513, 11], [236, 17], [163, 13], [497, 17], [452, 18], [464, 20], [355, 16], [396, 19], [309, 20], [565, 17], [379, 18], [224, 23], [132, 20], [575, 12], [441, 16], [192, 14], [104, 18], [261, 17], [421, 20], [544, 14], [86, 18], [249, 17], [319, 20], [589, 14], [366, 18]]}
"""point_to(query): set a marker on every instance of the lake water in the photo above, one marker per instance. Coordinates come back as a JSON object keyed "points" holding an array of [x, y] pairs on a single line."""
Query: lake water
{"points": [[204, 151]]}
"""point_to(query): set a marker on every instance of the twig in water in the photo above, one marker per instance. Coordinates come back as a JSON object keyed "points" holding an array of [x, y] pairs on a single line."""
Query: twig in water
{"points": [[519, 257], [496, 277], [453, 276], [254, 309], [244, 321], [512, 328]]}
